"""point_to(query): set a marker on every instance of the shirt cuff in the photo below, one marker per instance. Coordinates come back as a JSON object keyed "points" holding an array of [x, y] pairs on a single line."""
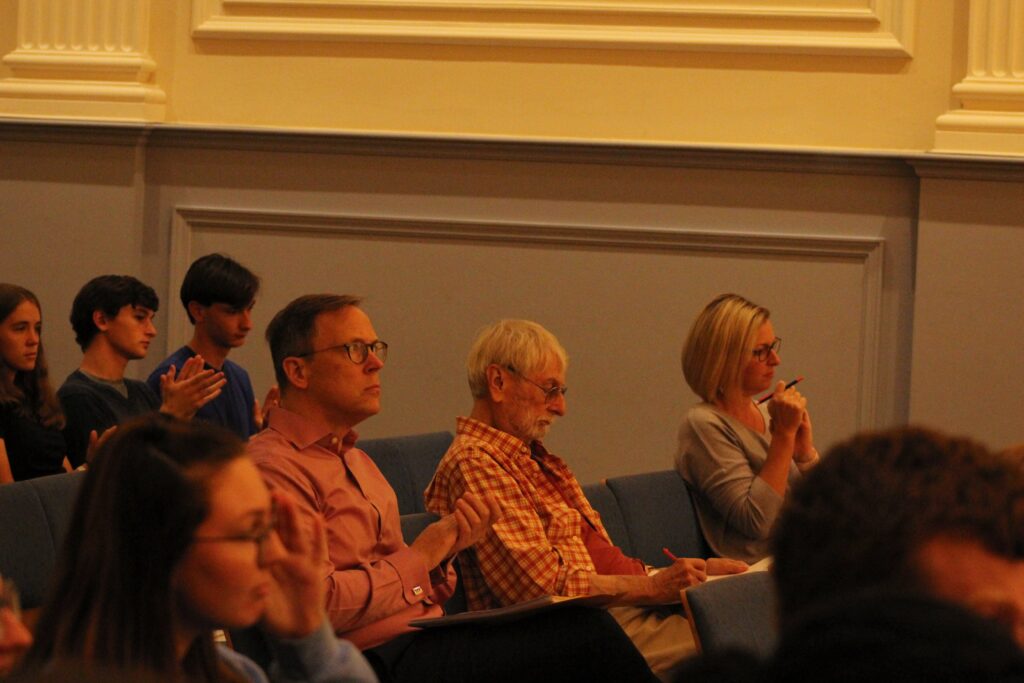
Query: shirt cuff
{"points": [[415, 577], [808, 463]]}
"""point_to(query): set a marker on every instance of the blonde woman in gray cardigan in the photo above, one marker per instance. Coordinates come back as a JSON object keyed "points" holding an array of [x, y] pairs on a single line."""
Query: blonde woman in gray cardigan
{"points": [[740, 457]]}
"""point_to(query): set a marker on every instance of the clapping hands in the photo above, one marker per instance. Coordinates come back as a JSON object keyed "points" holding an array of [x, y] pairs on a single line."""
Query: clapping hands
{"points": [[185, 392]]}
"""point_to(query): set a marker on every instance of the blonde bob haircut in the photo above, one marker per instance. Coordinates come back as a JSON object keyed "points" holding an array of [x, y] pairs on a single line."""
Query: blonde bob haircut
{"points": [[521, 344], [720, 343]]}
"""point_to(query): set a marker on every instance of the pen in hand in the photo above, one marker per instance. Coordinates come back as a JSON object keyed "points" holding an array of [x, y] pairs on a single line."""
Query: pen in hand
{"points": [[790, 384], [669, 555]]}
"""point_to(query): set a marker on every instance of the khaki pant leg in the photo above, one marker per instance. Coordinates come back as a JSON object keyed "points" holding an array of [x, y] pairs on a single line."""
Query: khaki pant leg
{"points": [[663, 638]]}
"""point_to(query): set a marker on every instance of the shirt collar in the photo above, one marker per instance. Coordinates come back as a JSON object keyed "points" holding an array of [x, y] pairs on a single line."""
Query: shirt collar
{"points": [[505, 441], [303, 432]]}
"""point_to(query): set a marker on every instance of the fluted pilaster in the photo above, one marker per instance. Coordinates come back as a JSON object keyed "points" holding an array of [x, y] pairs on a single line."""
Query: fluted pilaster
{"points": [[990, 119], [82, 59]]}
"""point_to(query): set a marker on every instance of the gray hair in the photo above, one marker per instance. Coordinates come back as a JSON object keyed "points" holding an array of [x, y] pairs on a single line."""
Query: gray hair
{"points": [[521, 344]]}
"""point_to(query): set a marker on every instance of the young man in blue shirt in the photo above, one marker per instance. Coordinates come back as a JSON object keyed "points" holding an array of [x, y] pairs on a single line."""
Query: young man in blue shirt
{"points": [[218, 294]]}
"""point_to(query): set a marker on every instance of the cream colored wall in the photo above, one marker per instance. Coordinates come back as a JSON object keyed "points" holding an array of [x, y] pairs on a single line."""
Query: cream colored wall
{"points": [[883, 103], [8, 31], [834, 98]]}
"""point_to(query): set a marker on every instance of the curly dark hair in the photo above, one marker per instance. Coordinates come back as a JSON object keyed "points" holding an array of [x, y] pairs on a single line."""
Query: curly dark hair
{"points": [[858, 519], [107, 293]]}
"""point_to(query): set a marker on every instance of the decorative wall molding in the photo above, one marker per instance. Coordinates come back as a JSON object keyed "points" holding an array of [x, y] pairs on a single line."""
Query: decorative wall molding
{"points": [[990, 118], [82, 59], [837, 162], [990, 169], [876, 28], [868, 252]]}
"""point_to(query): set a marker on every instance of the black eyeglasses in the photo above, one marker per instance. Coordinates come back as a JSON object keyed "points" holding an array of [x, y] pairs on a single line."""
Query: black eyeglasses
{"points": [[259, 535], [761, 353], [550, 393], [357, 351]]}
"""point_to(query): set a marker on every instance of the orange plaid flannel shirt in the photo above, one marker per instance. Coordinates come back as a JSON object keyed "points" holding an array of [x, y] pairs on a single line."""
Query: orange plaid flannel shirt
{"points": [[537, 547]]}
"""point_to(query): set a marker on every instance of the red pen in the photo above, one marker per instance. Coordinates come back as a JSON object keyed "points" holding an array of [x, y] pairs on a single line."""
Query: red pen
{"points": [[669, 555], [792, 383]]}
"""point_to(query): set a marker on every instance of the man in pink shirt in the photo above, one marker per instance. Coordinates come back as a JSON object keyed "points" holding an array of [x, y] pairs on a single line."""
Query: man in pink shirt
{"points": [[327, 359]]}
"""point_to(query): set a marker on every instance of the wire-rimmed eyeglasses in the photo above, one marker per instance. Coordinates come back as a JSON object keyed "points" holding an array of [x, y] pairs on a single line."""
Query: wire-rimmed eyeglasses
{"points": [[550, 393], [260, 535], [762, 352], [357, 351]]}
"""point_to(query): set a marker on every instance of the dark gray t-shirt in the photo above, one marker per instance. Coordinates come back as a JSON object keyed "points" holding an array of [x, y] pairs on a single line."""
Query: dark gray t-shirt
{"points": [[95, 404]]}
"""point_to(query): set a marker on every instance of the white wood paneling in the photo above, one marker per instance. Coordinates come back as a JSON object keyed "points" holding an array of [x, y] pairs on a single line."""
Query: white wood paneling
{"points": [[881, 28]]}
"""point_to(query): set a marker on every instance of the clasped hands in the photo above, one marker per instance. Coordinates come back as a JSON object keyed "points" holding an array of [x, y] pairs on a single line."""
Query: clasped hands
{"points": [[468, 523], [788, 411]]}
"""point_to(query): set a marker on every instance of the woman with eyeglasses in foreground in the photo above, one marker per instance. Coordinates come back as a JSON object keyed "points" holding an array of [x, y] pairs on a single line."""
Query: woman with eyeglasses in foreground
{"points": [[31, 442], [737, 456], [173, 536]]}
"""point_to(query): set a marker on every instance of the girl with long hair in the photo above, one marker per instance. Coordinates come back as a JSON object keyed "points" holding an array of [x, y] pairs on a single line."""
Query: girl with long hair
{"points": [[30, 414]]}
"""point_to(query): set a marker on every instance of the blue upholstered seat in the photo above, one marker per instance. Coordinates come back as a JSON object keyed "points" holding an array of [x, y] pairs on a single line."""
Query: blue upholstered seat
{"points": [[408, 463], [642, 513], [603, 500], [735, 611], [34, 518], [658, 512]]}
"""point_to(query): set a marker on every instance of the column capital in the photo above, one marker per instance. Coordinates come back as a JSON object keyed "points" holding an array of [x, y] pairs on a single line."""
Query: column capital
{"points": [[82, 59], [990, 118]]}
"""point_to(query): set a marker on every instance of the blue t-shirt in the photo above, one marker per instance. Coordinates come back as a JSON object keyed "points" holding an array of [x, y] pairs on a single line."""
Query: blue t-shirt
{"points": [[232, 409]]}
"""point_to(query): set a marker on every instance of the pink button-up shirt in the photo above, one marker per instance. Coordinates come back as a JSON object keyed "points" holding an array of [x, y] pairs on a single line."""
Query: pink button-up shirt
{"points": [[375, 583]]}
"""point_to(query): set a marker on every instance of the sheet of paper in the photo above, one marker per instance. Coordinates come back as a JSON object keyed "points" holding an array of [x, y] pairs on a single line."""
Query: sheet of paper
{"points": [[513, 612]]}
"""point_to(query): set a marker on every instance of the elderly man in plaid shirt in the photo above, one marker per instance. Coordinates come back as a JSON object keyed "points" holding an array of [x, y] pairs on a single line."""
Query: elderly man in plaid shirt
{"points": [[550, 541]]}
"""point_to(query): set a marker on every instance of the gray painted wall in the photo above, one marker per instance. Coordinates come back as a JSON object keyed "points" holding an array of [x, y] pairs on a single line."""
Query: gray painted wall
{"points": [[615, 250]]}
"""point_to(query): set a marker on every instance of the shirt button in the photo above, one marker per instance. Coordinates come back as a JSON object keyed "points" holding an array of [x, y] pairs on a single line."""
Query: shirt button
{"points": [[334, 441]]}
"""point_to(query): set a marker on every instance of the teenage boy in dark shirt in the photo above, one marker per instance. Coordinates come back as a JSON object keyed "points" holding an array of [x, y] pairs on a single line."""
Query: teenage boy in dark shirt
{"points": [[112, 316]]}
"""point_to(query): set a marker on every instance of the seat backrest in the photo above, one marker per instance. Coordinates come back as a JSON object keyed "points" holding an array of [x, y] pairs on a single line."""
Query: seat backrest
{"points": [[603, 500], [34, 518], [734, 612], [658, 513], [408, 463]]}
